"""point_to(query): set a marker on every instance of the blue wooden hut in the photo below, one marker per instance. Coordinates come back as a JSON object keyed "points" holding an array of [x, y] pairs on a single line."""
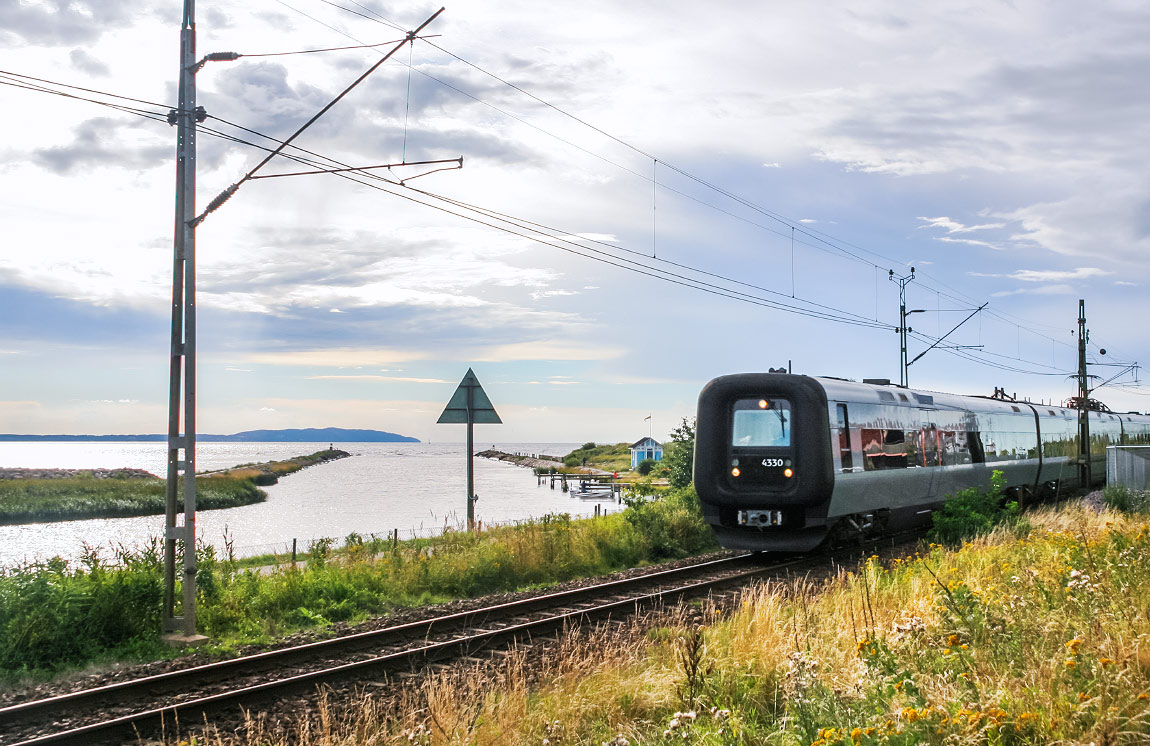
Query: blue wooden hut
{"points": [[644, 449]]}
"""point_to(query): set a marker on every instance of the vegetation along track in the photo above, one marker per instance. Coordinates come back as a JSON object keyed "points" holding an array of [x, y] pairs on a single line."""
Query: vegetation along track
{"points": [[126, 710]]}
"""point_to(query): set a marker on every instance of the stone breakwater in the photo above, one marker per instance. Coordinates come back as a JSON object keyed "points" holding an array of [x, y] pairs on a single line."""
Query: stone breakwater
{"points": [[537, 461], [71, 473]]}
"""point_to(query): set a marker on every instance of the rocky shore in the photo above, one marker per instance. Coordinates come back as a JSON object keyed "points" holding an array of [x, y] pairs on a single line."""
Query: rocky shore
{"points": [[537, 461]]}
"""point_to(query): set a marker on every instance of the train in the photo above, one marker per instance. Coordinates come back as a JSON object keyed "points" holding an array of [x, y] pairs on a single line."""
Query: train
{"points": [[791, 462]]}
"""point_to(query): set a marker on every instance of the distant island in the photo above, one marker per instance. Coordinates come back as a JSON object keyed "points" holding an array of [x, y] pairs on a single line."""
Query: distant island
{"points": [[296, 435]]}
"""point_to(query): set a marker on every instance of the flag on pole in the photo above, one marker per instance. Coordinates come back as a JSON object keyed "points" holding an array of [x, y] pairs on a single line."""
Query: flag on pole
{"points": [[646, 418]]}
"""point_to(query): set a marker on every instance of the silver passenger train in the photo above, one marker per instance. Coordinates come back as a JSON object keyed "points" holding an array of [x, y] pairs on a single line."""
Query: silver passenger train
{"points": [[786, 462]]}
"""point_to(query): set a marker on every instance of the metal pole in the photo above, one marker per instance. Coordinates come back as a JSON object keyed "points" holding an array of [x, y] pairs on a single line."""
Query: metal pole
{"points": [[470, 464], [1083, 401], [183, 349]]}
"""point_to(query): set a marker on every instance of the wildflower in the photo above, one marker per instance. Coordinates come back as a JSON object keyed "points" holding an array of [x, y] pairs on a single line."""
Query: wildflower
{"points": [[1073, 645], [946, 651], [856, 735], [953, 640], [1105, 661], [1144, 696], [1070, 663]]}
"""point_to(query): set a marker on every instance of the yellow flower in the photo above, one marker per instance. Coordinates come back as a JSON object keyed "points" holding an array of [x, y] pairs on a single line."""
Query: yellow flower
{"points": [[1070, 663], [856, 735], [1144, 696], [953, 640], [1105, 661]]}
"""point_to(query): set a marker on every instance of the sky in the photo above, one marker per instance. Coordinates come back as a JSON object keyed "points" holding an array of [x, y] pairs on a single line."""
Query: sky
{"points": [[653, 194]]}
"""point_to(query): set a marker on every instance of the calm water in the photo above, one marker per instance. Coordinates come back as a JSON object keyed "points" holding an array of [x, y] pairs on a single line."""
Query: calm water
{"points": [[413, 487]]}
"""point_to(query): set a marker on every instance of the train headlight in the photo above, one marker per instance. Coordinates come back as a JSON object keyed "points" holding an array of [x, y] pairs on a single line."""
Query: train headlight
{"points": [[763, 404], [735, 472], [788, 473]]}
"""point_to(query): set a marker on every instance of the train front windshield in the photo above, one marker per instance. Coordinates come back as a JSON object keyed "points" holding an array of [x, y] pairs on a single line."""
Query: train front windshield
{"points": [[759, 423], [760, 447]]}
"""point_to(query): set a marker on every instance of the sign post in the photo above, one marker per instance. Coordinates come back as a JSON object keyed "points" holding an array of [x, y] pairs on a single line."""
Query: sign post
{"points": [[469, 405]]}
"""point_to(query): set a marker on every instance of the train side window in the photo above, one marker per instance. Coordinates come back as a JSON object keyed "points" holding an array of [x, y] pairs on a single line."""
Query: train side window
{"points": [[974, 441], [845, 439], [948, 445], [871, 448], [929, 445]]}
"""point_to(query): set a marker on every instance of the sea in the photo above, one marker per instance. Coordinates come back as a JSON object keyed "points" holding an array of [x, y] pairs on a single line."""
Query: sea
{"points": [[418, 489]]}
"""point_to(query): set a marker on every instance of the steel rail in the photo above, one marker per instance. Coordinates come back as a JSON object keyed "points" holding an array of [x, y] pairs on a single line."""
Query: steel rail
{"points": [[148, 686]]}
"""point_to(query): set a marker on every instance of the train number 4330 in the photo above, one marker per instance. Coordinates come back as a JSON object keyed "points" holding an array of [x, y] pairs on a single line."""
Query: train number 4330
{"points": [[769, 462]]}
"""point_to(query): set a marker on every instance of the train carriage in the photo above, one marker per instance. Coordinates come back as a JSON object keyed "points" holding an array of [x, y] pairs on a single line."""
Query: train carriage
{"points": [[784, 462]]}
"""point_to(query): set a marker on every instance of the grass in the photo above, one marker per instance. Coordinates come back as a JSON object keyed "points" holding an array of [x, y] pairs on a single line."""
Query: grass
{"points": [[40, 500], [1009, 639], [48, 611], [85, 496], [612, 458]]}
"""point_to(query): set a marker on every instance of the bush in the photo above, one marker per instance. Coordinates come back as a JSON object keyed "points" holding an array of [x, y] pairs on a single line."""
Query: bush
{"points": [[974, 511], [671, 524], [1125, 499], [645, 466]]}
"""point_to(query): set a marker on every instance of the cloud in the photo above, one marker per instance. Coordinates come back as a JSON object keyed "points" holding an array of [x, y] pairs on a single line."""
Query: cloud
{"points": [[381, 379], [551, 294], [81, 60], [105, 142], [1044, 290], [953, 226], [57, 22], [546, 350], [1049, 275], [336, 357], [1053, 275], [771, 165], [970, 241]]}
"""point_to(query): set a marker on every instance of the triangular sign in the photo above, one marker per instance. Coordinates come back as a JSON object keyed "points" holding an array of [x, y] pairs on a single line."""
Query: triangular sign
{"points": [[482, 411]]}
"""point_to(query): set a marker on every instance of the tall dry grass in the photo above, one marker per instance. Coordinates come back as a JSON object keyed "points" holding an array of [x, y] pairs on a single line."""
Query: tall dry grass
{"points": [[1037, 635]]}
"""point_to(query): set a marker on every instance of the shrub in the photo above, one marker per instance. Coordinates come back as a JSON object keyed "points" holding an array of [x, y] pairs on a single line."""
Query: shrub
{"points": [[671, 524], [645, 466], [1125, 499], [974, 511]]}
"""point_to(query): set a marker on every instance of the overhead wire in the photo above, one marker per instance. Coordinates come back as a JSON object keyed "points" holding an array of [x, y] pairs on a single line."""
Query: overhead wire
{"points": [[538, 232], [833, 243], [834, 315]]}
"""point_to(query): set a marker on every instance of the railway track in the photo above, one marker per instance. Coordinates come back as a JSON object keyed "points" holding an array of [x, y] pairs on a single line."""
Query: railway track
{"points": [[130, 709]]}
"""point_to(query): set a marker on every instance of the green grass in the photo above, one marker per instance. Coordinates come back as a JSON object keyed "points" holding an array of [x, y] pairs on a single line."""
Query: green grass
{"points": [[615, 457], [85, 496], [40, 500], [54, 616]]}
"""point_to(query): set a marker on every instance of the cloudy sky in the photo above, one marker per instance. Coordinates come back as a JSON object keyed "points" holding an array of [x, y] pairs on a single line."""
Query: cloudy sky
{"points": [[653, 194]]}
